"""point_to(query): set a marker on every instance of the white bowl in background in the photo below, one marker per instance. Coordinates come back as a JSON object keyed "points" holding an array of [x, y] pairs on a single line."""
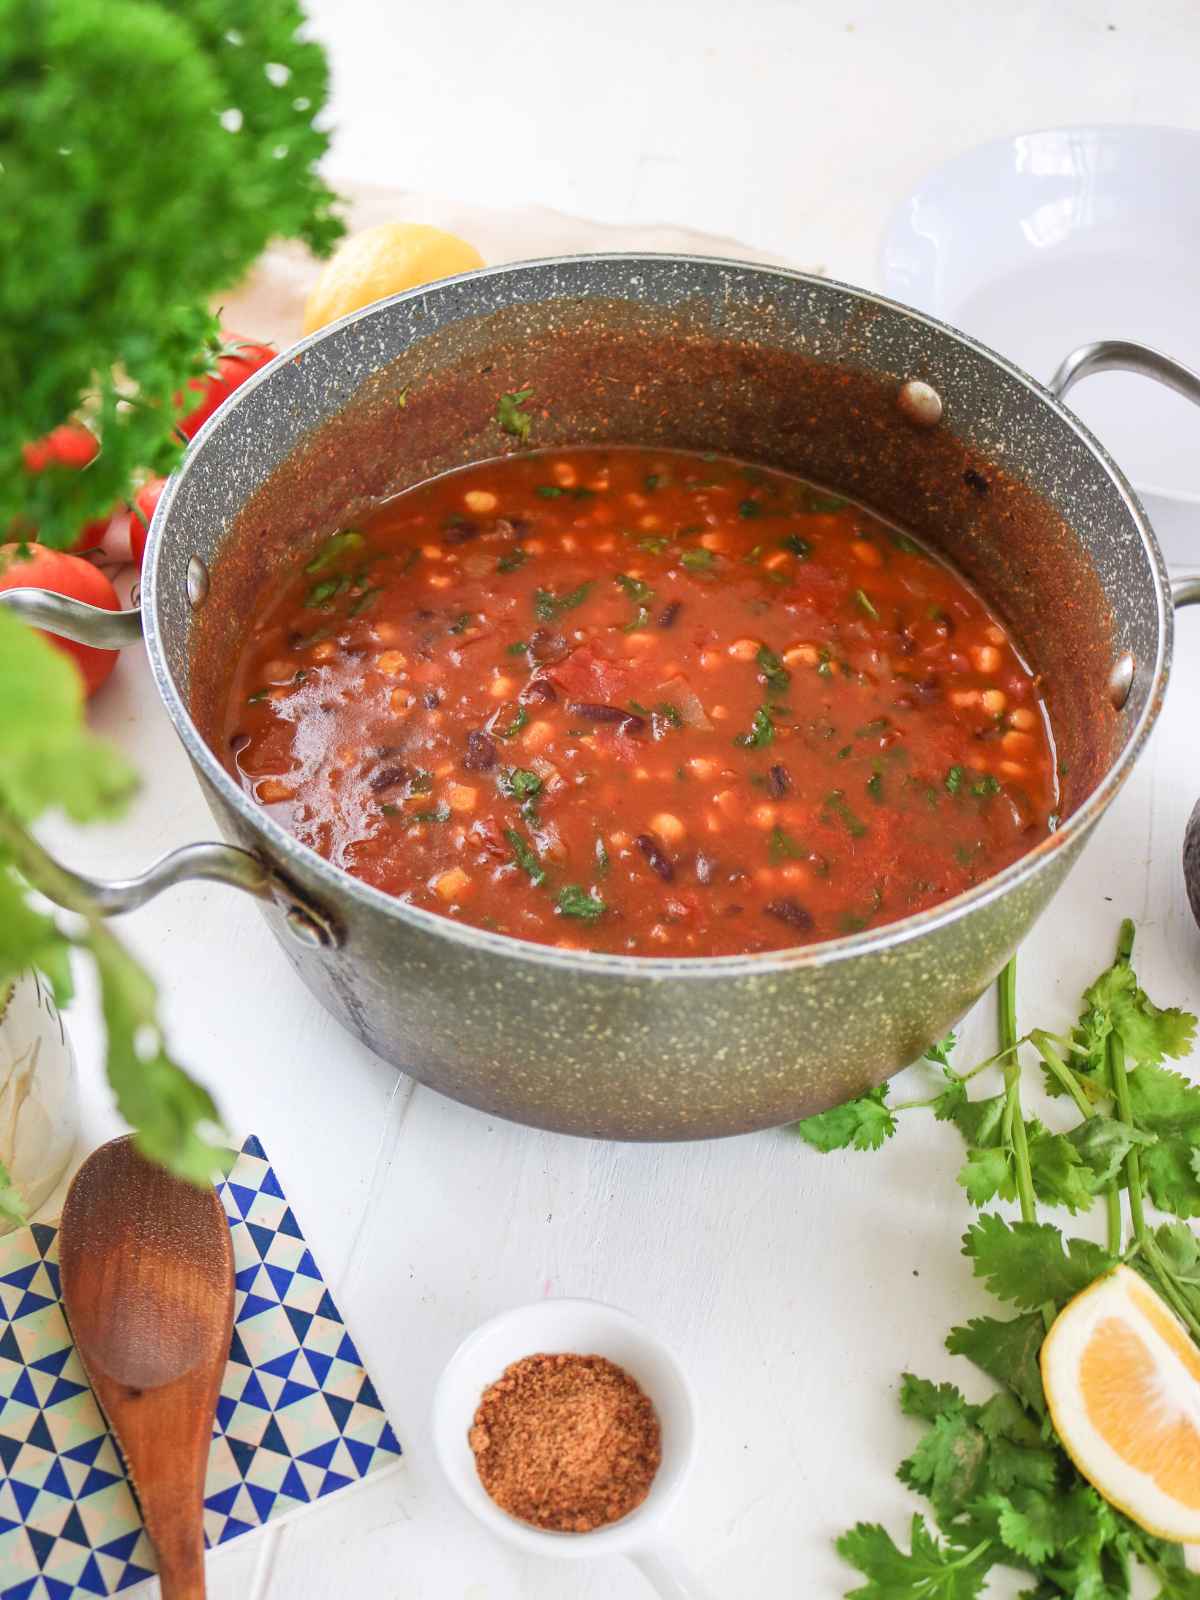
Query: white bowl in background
{"points": [[1045, 241], [582, 1327]]}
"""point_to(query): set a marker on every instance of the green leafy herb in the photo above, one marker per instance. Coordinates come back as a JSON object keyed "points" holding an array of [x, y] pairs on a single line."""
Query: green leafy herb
{"points": [[518, 783], [835, 802], [258, 695], [875, 787], [862, 1124], [865, 603], [762, 731], [518, 647], [652, 481], [105, 293], [1002, 1490], [989, 784], [510, 416], [903, 542], [511, 562], [549, 491], [668, 713], [819, 500], [402, 397], [335, 549], [49, 760], [635, 588], [954, 779], [655, 544], [782, 847], [547, 606], [514, 727], [525, 857], [573, 901], [363, 602], [700, 560], [440, 813], [798, 546], [750, 508], [778, 678], [462, 622]]}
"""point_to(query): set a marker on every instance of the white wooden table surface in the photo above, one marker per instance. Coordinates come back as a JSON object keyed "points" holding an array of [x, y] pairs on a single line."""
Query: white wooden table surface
{"points": [[795, 1287]]}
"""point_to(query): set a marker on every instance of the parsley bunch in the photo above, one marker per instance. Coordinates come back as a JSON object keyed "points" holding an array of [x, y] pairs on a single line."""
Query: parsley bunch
{"points": [[150, 152], [1002, 1490]]}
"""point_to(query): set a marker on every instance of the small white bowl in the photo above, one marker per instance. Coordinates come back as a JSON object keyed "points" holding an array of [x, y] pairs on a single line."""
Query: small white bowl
{"points": [[1045, 241], [581, 1327]]}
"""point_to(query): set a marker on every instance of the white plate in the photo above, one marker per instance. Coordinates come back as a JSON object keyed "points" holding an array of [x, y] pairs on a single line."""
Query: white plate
{"points": [[1045, 241]]}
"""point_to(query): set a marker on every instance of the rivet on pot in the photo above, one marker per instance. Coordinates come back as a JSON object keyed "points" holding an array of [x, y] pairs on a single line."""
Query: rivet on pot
{"points": [[305, 929], [1120, 680], [920, 403], [197, 582]]}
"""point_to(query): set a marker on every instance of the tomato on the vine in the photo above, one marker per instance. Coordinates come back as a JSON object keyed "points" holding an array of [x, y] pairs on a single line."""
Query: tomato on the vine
{"points": [[141, 514], [236, 360], [35, 567]]}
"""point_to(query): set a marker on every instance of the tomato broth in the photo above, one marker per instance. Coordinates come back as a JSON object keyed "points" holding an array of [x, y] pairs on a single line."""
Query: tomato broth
{"points": [[642, 701]]}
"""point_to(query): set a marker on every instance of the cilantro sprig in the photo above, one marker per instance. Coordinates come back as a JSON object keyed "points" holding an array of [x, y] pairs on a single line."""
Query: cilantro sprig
{"points": [[1001, 1489]]}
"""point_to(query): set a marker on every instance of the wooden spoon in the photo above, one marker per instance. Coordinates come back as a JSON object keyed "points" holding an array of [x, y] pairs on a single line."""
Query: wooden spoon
{"points": [[147, 1280]]}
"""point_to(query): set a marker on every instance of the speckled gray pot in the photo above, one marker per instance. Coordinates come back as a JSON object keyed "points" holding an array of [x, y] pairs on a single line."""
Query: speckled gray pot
{"points": [[773, 366]]}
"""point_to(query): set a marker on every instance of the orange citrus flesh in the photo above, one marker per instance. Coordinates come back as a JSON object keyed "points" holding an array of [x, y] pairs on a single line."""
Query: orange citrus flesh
{"points": [[1122, 1380]]}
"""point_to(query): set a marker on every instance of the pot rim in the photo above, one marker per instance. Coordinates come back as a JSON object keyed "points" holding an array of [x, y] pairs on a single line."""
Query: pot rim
{"points": [[307, 863]]}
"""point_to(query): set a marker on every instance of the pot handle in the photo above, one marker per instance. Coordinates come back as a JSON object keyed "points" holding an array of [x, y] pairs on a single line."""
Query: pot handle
{"points": [[74, 619], [1123, 355], [218, 863]]}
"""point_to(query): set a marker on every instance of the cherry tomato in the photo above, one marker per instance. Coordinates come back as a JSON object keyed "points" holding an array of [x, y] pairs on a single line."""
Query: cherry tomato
{"points": [[70, 445], [73, 446], [141, 514], [237, 359], [64, 574]]}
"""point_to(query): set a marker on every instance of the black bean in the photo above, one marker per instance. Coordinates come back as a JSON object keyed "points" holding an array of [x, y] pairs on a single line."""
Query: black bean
{"points": [[928, 689], [547, 646], [238, 742], [460, 531], [706, 868], [669, 613], [779, 781], [423, 614], [388, 778], [295, 639], [654, 853], [791, 912], [976, 480], [590, 711], [431, 699], [538, 690], [481, 752]]}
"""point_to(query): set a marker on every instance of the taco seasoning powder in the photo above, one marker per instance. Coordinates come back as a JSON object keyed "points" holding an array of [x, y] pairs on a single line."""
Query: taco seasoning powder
{"points": [[566, 1442]]}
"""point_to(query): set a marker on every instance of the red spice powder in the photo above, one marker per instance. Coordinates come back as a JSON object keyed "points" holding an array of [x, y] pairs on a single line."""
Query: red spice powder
{"points": [[566, 1442]]}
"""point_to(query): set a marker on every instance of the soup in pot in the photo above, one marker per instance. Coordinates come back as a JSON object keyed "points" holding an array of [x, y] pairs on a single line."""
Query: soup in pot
{"points": [[645, 702]]}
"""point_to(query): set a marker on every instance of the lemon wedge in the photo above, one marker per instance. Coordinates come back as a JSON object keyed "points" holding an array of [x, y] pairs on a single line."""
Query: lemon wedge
{"points": [[1122, 1380]]}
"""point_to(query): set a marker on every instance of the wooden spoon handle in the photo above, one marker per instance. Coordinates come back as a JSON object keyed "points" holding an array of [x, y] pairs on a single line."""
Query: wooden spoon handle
{"points": [[181, 1569]]}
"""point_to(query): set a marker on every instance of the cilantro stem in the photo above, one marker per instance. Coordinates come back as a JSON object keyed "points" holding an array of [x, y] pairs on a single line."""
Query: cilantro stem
{"points": [[1014, 1122], [1059, 1069]]}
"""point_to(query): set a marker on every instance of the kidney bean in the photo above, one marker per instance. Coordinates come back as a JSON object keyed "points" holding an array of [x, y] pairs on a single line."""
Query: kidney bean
{"points": [[481, 752], [790, 911], [654, 853]]}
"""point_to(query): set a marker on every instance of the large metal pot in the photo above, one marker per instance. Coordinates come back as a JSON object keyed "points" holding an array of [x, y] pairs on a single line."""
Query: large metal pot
{"points": [[892, 408]]}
